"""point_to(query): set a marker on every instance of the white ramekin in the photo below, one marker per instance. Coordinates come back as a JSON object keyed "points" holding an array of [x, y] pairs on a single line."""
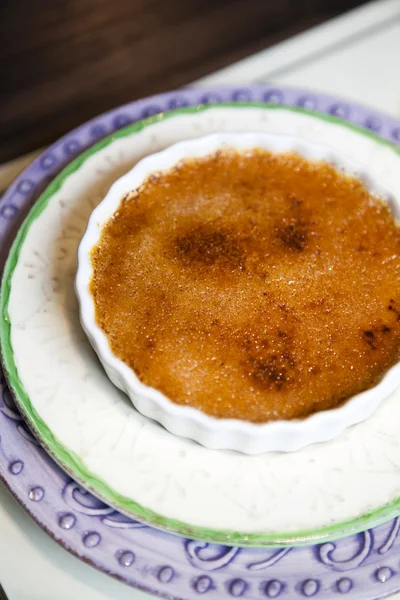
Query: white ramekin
{"points": [[189, 422]]}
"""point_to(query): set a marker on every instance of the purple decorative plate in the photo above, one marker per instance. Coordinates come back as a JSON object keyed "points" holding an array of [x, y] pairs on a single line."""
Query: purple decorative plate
{"points": [[366, 565]]}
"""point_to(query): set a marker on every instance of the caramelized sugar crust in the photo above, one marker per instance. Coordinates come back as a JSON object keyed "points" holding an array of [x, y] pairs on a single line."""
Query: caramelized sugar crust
{"points": [[251, 285]]}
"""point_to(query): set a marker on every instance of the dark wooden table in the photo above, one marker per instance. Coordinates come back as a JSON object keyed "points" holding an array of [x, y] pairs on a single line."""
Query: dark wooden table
{"points": [[64, 61]]}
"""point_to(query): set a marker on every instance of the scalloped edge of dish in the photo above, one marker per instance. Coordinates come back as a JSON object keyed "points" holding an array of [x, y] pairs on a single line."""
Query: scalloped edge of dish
{"points": [[185, 421]]}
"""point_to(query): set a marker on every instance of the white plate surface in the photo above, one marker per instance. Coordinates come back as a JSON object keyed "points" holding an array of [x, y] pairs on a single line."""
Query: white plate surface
{"points": [[315, 488]]}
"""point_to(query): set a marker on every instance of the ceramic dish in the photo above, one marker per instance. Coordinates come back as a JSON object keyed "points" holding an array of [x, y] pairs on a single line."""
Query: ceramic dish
{"points": [[228, 434], [361, 567], [318, 493]]}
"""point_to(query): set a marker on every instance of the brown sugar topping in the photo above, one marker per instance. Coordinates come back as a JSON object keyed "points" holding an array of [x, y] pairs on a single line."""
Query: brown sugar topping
{"points": [[251, 285]]}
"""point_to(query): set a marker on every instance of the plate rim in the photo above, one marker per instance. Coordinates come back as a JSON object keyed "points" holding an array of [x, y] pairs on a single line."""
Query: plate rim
{"points": [[71, 463]]}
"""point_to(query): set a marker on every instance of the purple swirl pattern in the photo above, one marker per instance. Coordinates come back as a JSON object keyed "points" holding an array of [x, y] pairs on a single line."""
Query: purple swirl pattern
{"points": [[268, 562], [81, 501], [214, 562], [391, 537], [326, 554], [7, 406], [362, 566]]}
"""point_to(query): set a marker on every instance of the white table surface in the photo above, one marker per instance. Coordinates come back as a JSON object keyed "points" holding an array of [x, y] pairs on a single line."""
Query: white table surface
{"points": [[356, 56]]}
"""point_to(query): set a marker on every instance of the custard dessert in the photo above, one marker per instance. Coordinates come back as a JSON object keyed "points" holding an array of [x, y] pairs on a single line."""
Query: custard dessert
{"points": [[251, 285]]}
